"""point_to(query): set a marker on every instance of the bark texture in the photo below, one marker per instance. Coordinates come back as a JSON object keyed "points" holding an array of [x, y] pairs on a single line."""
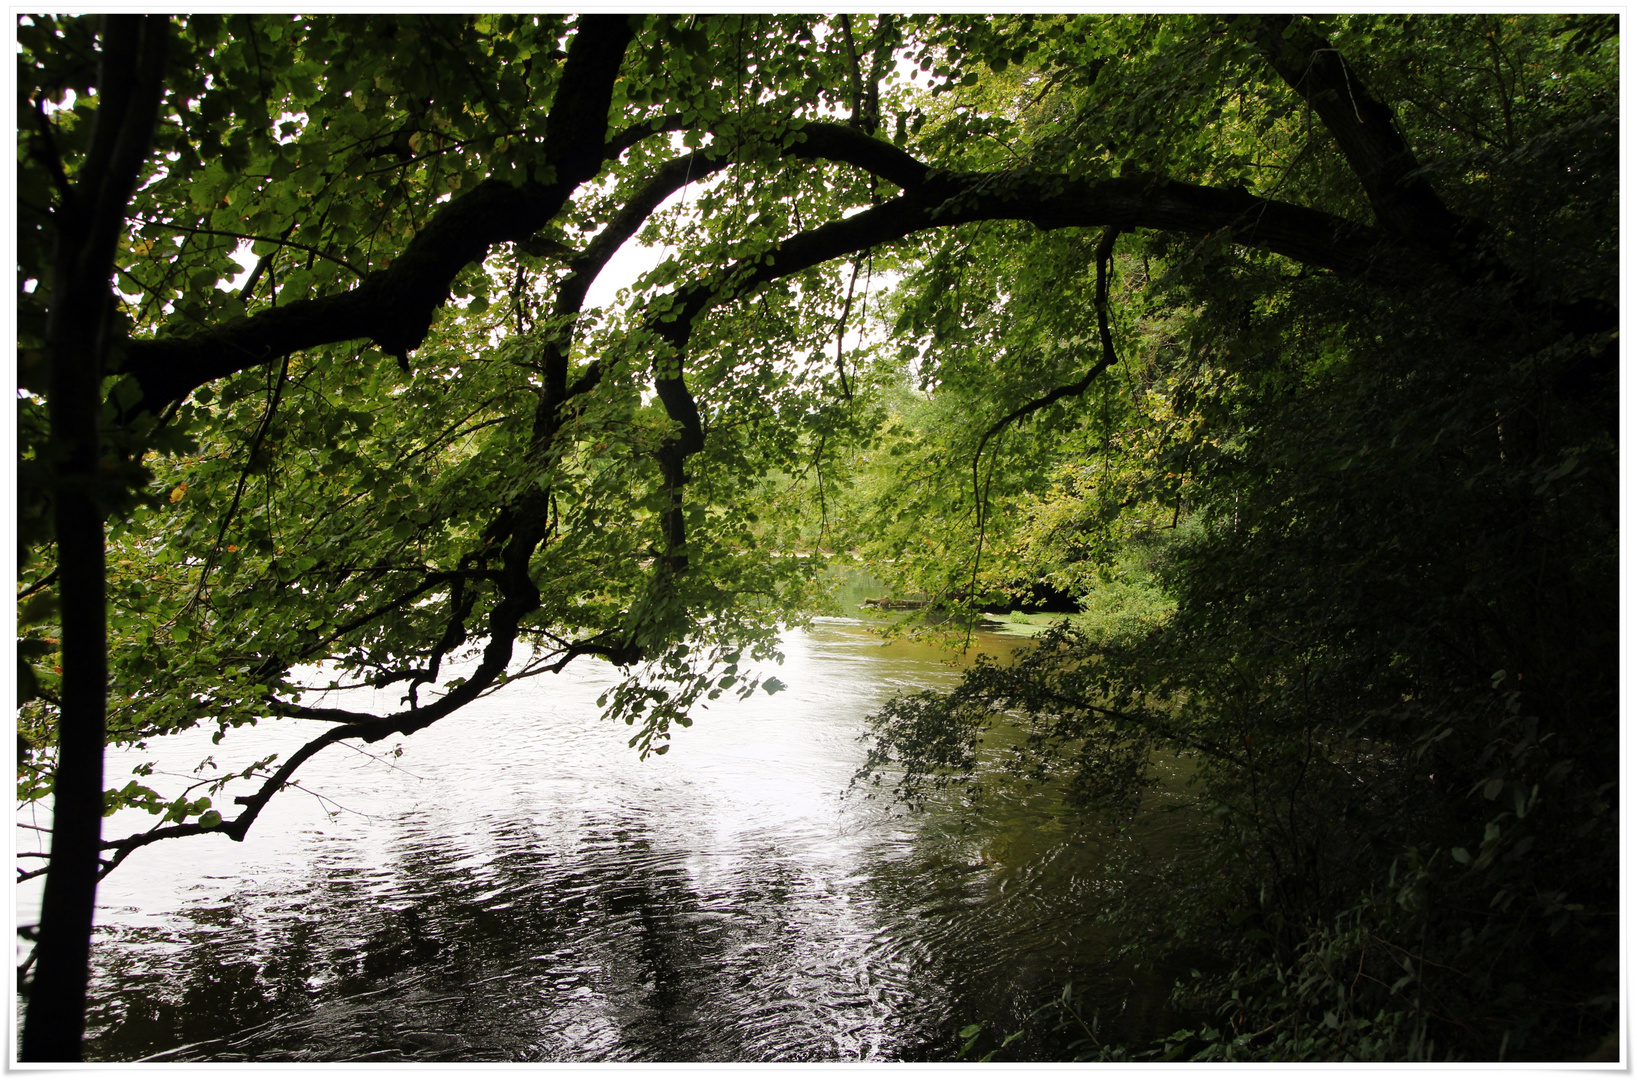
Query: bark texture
{"points": [[88, 219]]}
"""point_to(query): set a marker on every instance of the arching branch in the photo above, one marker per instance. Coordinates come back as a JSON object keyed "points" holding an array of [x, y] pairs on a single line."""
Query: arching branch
{"points": [[394, 306]]}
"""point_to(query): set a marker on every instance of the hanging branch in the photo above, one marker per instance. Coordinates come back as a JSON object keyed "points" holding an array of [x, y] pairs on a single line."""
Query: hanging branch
{"points": [[841, 334], [1105, 254], [264, 265], [980, 496], [256, 440]]}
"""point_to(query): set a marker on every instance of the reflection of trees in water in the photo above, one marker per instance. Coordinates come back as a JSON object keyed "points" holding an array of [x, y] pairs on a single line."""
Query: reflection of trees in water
{"points": [[596, 938], [611, 951], [216, 999], [1007, 899], [199, 980]]}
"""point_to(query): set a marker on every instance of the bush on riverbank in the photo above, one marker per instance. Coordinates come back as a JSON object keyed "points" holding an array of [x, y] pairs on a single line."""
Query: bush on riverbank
{"points": [[1355, 554]]}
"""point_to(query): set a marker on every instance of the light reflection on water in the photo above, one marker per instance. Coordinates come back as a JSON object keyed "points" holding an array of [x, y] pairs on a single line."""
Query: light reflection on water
{"points": [[518, 886]]}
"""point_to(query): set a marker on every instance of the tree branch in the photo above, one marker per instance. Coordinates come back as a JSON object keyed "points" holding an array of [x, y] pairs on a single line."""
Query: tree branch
{"points": [[394, 306], [254, 447], [44, 148], [1105, 252], [1366, 131], [248, 236], [1404, 201]]}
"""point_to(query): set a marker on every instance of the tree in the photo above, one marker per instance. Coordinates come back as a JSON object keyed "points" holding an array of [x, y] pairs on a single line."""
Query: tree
{"points": [[405, 438], [79, 334], [1352, 553]]}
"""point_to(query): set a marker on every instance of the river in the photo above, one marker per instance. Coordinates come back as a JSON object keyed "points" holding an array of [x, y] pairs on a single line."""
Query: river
{"points": [[518, 886]]}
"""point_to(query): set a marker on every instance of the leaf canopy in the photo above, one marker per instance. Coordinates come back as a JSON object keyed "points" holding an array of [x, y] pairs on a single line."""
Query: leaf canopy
{"points": [[1282, 345]]}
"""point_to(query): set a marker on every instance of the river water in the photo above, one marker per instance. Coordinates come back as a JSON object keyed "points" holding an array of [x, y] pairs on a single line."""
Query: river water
{"points": [[518, 886]]}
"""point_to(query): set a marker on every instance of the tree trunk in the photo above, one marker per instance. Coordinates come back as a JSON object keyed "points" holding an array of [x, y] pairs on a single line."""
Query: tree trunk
{"points": [[56, 1008], [88, 218]]}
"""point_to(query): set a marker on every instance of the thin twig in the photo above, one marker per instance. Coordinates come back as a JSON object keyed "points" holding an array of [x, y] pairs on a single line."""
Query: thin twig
{"points": [[43, 583], [841, 334], [1105, 256], [248, 236], [244, 478]]}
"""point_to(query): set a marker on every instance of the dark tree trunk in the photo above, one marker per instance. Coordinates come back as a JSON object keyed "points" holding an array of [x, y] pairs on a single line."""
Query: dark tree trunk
{"points": [[88, 220], [56, 1011]]}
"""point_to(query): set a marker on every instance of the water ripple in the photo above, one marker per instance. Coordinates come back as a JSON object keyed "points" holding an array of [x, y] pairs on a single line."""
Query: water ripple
{"points": [[535, 893]]}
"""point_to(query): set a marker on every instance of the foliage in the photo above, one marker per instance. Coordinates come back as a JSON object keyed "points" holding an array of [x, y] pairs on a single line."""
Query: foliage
{"points": [[1382, 533], [1308, 402]]}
